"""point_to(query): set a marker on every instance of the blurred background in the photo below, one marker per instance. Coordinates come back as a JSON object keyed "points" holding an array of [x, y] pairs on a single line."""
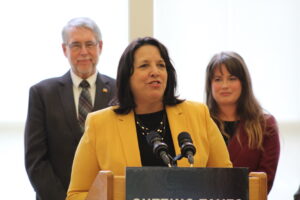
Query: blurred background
{"points": [[264, 32]]}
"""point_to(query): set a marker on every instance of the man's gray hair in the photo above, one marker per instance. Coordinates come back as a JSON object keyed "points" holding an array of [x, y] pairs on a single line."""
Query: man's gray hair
{"points": [[81, 22]]}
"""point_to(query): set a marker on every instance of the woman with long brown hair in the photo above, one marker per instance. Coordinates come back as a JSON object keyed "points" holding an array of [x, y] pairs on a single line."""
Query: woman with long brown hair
{"points": [[251, 134]]}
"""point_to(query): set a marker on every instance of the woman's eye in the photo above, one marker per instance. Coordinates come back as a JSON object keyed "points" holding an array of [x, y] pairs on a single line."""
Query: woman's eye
{"points": [[162, 65], [233, 78], [143, 65]]}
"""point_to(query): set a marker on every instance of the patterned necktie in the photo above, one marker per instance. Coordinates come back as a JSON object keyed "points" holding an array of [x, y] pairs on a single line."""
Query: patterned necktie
{"points": [[85, 103]]}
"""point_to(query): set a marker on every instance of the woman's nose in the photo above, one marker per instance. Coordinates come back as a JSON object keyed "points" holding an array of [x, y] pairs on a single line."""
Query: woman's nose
{"points": [[224, 83], [154, 70]]}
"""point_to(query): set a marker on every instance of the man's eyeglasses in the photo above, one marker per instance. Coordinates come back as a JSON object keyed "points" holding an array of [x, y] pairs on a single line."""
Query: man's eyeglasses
{"points": [[77, 46]]}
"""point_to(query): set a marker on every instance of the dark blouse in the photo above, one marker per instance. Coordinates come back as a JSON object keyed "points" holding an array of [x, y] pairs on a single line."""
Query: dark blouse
{"points": [[152, 121], [230, 129]]}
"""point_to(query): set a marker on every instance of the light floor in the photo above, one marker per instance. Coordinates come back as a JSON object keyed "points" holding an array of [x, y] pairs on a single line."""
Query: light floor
{"points": [[14, 183]]}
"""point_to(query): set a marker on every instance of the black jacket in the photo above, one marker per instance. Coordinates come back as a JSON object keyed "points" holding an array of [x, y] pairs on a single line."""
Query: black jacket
{"points": [[52, 132]]}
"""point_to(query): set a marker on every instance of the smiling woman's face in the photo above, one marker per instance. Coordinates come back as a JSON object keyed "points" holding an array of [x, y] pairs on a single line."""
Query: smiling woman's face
{"points": [[226, 88], [149, 79]]}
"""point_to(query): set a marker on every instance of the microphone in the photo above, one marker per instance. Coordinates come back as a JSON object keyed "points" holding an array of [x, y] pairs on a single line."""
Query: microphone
{"points": [[188, 150], [160, 148]]}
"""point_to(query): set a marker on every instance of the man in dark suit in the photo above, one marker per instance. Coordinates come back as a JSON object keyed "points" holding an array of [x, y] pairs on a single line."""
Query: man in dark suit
{"points": [[52, 129]]}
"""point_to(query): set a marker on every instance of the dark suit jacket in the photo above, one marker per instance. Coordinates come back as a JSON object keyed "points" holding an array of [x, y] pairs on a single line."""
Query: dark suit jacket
{"points": [[265, 160], [52, 132]]}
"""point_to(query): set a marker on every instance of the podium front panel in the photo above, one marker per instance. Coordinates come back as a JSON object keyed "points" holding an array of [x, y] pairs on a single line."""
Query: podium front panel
{"points": [[163, 183]]}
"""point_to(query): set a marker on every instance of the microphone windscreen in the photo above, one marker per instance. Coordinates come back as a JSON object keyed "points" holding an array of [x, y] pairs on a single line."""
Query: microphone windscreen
{"points": [[152, 137], [184, 137]]}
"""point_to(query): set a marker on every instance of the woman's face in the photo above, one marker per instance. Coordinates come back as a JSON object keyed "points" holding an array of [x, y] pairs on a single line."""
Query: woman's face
{"points": [[149, 79], [226, 88]]}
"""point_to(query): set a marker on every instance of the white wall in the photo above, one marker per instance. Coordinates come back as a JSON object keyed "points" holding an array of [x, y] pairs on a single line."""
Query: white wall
{"points": [[31, 44], [265, 33]]}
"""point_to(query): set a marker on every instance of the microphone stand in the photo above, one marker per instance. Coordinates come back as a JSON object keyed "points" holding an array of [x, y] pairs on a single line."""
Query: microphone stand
{"points": [[179, 157]]}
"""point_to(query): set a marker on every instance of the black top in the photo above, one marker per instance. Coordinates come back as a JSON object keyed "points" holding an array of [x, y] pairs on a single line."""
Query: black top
{"points": [[152, 122], [230, 129]]}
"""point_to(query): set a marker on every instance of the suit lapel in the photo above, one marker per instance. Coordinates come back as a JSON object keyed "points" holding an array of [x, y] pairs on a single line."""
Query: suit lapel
{"points": [[178, 124], [102, 96], [67, 99], [128, 135]]}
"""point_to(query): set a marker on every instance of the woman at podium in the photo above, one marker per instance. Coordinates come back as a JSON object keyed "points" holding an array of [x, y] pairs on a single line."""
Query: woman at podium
{"points": [[251, 134], [143, 126]]}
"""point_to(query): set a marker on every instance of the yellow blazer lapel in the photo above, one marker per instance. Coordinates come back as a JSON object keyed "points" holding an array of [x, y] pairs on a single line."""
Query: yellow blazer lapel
{"points": [[128, 135], [178, 124]]}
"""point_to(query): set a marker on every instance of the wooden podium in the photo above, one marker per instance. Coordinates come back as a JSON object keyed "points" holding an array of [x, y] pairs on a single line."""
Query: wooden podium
{"points": [[109, 187]]}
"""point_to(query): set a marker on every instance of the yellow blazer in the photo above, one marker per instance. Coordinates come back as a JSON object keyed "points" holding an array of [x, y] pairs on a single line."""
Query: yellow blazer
{"points": [[110, 143]]}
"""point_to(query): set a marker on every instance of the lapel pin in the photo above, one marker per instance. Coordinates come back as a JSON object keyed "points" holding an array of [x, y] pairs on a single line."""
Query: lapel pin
{"points": [[104, 90]]}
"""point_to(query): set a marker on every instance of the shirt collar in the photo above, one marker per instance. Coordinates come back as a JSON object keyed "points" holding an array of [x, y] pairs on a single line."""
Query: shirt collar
{"points": [[77, 80]]}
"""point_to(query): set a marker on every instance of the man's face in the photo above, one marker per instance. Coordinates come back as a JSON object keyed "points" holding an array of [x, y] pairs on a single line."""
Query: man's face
{"points": [[83, 51]]}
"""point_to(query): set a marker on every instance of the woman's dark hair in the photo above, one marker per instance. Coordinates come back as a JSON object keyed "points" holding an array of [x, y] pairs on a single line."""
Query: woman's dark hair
{"points": [[248, 108], [125, 98]]}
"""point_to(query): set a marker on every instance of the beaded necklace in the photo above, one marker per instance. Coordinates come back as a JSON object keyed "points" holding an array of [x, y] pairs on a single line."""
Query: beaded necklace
{"points": [[145, 130]]}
